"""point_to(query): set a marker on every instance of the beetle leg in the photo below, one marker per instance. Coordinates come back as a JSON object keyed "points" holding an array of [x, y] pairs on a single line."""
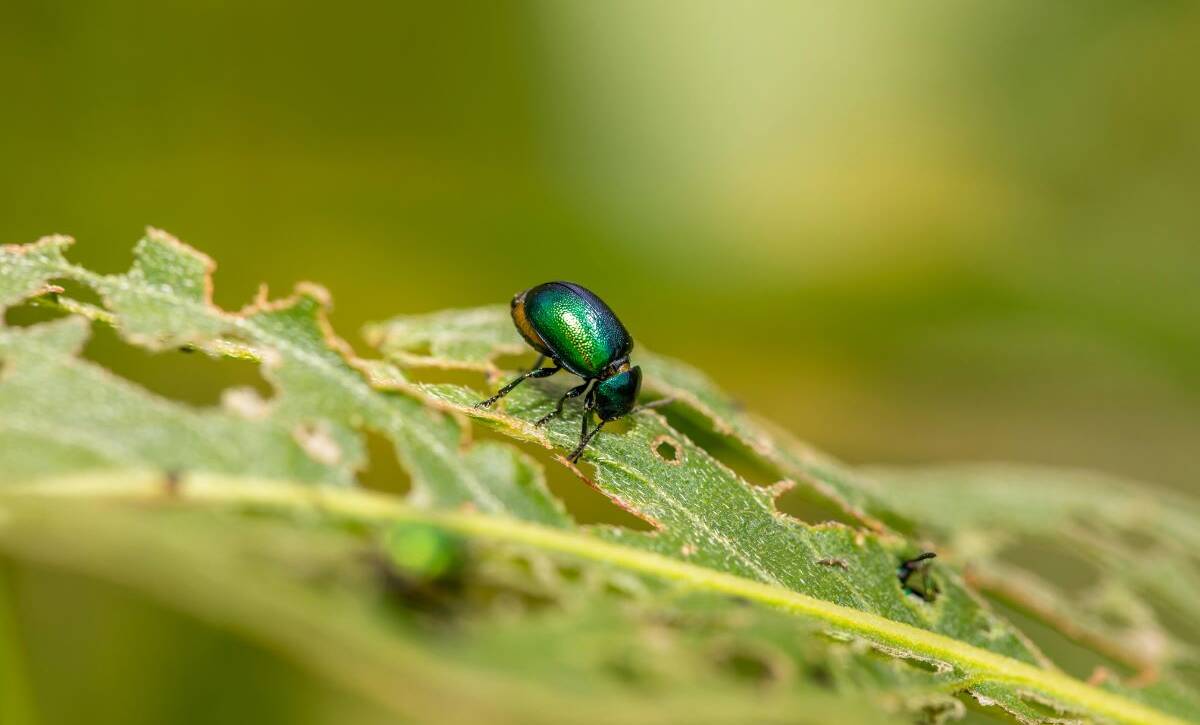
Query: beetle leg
{"points": [[537, 371], [573, 392], [585, 439], [584, 434]]}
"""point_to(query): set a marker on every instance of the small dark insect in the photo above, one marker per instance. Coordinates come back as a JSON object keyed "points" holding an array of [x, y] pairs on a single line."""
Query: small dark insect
{"points": [[579, 333], [834, 561], [909, 568]]}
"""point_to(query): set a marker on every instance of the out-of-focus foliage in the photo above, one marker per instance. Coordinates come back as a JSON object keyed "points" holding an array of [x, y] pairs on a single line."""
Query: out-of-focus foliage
{"points": [[721, 560], [940, 232], [1108, 563]]}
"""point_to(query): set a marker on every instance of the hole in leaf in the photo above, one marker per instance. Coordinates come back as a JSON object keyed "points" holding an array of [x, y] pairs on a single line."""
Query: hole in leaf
{"points": [[42, 308], [422, 348], [667, 449], [189, 377], [383, 472], [922, 665], [79, 292], [585, 504], [511, 362], [28, 314], [806, 504], [725, 451], [801, 502], [1042, 708], [978, 713], [618, 427]]}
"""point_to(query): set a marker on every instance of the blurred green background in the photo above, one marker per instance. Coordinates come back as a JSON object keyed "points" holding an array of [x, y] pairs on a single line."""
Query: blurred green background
{"points": [[908, 232]]}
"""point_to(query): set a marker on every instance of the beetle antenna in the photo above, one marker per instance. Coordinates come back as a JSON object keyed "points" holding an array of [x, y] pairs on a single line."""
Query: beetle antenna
{"points": [[908, 567], [654, 404]]}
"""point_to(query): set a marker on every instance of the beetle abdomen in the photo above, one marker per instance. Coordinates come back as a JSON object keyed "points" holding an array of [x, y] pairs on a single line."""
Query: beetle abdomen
{"points": [[578, 329]]}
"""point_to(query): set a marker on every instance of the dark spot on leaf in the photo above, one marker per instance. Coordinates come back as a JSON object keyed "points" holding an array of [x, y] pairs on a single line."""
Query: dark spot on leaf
{"points": [[750, 665], [820, 675], [834, 562]]}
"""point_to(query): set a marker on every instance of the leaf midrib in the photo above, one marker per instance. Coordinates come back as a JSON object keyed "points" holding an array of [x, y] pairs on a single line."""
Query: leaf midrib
{"points": [[980, 665]]}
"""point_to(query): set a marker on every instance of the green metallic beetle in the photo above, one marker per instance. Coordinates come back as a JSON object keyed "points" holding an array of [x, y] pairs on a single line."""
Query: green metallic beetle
{"points": [[579, 333]]}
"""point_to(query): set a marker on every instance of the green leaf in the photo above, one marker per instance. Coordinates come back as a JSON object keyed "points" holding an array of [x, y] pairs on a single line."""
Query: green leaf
{"points": [[59, 414], [27, 268], [164, 301], [715, 534], [474, 339], [702, 510], [320, 593], [1135, 544]]}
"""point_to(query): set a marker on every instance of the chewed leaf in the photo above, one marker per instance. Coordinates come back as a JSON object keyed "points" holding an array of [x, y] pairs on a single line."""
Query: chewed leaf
{"points": [[705, 514], [59, 413], [789, 457], [24, 271], [714, 535], [660, 657], [1139, 542], [469, 339], [473, 339], [165, 300], [323, 401]]}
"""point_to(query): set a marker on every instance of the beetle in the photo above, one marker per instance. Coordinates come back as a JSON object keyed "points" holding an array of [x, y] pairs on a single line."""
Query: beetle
{"points": [[578, 332], [909, 568]]}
